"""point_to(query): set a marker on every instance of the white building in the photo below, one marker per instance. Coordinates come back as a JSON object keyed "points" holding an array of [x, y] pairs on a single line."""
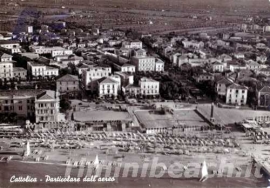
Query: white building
{"points": [[41, 70], [107, 87], [11, 46], [54, 51], [144, 63], [159, 65], [147, 87], [6, 70], [47, 106], [28, 29], [125, 67], [236, 94], [192, 44], [132, 44], [252, 65], [218, 67], [92, 74], [5, 57]]}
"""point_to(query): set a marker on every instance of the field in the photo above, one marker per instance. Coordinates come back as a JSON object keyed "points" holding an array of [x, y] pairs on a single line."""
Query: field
{"points": [[179, 117], [229, 116]]}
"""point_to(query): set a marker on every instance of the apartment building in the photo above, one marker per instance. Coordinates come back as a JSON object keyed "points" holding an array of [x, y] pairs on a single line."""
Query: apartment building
{"points": [[5, 57], [107, 87], [54, 51], [132, 44], [192, 44], [125, 67], [92, 74], [67, 83], [47, 106], [218, 67], [144, 63], [11, 46], [6, 70], [40, 104], [236, 94], [159, 65], [37, 70], [146, 87], [20, 73], [21, 102]]}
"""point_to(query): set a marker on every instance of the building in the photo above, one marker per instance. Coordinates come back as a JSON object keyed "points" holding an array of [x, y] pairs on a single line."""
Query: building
{"points": [[221, 87], [47, 106], [236, 94], [21, 102], [54, 51], [149, 86], [6, 70], [5, 57], [92, 74], [37, 70], [252, 65], [132, 44], [264, 97], [140, 53], [159, 65], [264, 71], [192, 44], [10, 44], [125, 67], [67, 83], [146, 87], [225, 58], [107, 87], [218, 67], [126, 78], [205, 77], [19, 73], [42, 105], [28, 29], [144, 63]]}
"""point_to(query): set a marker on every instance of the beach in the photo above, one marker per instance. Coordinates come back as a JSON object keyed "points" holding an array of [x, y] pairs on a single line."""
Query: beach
{"points": [[41, 170]]}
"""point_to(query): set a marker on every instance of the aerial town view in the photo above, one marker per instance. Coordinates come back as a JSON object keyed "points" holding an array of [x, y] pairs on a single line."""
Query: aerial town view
{"points": [[135, 93]]}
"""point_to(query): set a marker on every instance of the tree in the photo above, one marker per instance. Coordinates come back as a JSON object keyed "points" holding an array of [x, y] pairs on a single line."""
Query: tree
{"points": [[65, 104]]}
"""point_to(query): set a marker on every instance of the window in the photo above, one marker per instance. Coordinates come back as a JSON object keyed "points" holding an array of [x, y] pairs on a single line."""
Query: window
{"points": [[20, 107]]}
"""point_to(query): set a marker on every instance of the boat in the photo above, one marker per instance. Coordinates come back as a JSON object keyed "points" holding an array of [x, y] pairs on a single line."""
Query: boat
{"points": [[204, 172], [28, 150], [96, 162]]}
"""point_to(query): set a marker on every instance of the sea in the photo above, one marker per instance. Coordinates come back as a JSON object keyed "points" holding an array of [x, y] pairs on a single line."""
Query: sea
{"points": [[39, 171]]}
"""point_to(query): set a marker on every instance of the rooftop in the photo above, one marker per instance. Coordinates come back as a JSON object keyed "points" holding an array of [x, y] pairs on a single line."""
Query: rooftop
{"points": [[105, 80], [48, 94], [23, 92], [236, 86], [68, 77], [144, 79], [104, 115]]}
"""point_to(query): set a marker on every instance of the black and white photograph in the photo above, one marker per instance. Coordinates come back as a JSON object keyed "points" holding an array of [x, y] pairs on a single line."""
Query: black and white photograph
{"points": [[135, 93]]}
